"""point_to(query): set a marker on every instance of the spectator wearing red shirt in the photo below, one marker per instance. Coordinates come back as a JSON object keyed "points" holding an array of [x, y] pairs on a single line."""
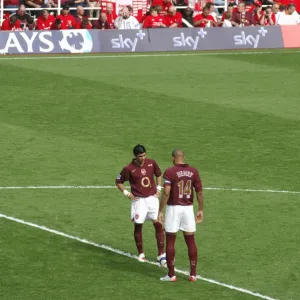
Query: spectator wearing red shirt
{"points": [[142, 19], [242, 17], [211, 10], [11, 24], [258, 15], [58, 25], [164, 4], [158, 8], [67, 20], [268, 19], [24, 17], [153, 20], [45, 21], [250, 6], [173, 18], [6, 15], [111, 15], [80, 15], [102, 22], [202, 20], [84, 24], [230, 9]]}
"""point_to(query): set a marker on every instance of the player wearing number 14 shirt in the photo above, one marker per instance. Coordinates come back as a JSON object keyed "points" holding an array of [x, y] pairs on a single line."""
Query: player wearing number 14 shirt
{"points": [[179, 183], [144, 197]]}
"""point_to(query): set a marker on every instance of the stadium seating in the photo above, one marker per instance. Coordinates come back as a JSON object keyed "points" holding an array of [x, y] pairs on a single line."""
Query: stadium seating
{"points": [[28, 13]]}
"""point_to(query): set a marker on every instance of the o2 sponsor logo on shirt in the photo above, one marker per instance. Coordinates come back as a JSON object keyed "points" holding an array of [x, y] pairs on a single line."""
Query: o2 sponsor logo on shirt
{"points": [[249, 40], [183, 41], [126, 43], [71, 41]]}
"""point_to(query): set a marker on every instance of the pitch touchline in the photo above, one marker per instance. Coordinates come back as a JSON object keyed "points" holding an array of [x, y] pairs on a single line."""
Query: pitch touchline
{"points": [[232, 287], [68, 56], [112, 187]]}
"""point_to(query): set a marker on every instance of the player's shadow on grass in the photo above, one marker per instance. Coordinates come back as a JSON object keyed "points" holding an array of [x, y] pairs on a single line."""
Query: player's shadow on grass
{"points": [[120, 262]]}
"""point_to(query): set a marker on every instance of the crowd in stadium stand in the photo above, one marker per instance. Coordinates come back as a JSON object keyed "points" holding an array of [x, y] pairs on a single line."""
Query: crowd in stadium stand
{"points": [[162, 14]]}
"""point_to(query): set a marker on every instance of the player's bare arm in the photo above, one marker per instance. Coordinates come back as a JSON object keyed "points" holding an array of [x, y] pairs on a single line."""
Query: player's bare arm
{"points": [[158, 186], [126, 193], [163, 203], [199, 215]]}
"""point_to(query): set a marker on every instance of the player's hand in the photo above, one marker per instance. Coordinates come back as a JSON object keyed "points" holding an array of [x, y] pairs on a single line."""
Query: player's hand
{"points": [[157, 194], [199, 216], [160, 218], [131, 197]]}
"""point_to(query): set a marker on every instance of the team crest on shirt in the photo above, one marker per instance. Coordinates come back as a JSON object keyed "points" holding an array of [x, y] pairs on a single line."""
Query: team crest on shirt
{"points": [[143, 171]]}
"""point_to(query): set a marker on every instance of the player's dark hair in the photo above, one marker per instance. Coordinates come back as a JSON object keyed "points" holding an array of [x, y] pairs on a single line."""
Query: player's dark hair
{"points": [[228, 15], [282, 7], [13, 19], [231, 5], [291, 5], [152, 9], [139, 149], [30, 20], [209, 4], [57, 21], [159, 8], [85, 21]]}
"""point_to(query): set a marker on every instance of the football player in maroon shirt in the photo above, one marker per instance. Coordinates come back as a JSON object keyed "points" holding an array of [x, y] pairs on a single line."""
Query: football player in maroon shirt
{"points": [[144, 195], [179, 183]]}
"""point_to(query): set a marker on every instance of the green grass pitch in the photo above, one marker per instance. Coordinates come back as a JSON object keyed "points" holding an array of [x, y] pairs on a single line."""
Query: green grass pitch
{"points": [[75, 122]]}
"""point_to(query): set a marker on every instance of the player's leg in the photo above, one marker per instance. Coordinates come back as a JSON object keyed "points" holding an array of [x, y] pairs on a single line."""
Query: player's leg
{"points": [[193, 253], [153, 207], [188, 226], [170, 253], [138, 216], [160, 241], [138, 237], [172, 221]]}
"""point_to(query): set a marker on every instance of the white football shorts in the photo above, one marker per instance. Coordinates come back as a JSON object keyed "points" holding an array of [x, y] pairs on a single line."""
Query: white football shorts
{"points": [[180, 217], [144, 209]]}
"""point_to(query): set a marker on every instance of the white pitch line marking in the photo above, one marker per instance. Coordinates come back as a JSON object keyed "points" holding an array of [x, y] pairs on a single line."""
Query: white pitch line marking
{"points": [[85, 241], [113, 187], [78, 56]]}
